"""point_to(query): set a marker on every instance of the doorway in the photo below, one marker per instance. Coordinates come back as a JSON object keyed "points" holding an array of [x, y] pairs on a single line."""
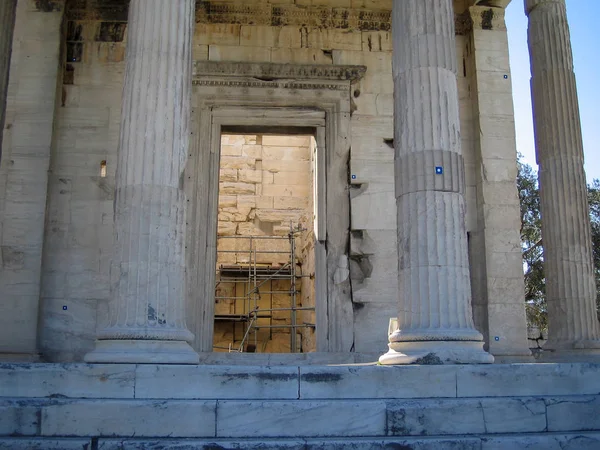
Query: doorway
{"points": [[265, 254], [332, 317]]}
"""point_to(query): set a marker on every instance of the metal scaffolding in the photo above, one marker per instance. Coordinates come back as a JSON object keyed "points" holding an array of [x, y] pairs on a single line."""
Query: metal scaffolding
{"points": [[255, 275]]}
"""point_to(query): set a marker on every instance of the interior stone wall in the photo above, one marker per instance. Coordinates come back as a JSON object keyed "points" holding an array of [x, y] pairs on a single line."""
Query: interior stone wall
{"points": [[265, 185], [78, 231]]}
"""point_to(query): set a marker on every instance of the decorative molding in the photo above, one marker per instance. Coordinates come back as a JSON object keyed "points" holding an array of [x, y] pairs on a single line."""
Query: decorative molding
{"points": [[269, 72], [487, 18], [463, 23], [480, 18], [272, 85]]}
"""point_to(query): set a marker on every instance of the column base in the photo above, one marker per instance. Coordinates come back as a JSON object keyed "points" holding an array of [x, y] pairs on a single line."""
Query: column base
{"points": [[142, 352], [436, 353]]}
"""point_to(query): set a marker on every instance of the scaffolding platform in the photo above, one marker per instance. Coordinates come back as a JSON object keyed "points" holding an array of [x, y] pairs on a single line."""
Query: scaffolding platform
{"points": [[254, 276]]}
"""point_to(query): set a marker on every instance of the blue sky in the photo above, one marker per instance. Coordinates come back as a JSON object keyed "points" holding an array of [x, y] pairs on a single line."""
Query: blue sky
{"points": [[585, 39]]}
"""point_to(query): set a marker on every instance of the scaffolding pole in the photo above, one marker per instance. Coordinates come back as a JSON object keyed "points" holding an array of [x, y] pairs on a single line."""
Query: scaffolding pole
{"points": [[256, 277]]}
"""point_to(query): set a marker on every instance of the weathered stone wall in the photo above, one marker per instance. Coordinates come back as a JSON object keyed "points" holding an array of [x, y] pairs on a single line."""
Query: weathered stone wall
{"points": [[79, 221], [8, 9], [494, 221], [78, 231], [265, 183], [26, 142]]}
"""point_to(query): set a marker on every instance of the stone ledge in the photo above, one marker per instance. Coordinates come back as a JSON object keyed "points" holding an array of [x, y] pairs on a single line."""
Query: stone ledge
{"points": [[512, 380], [162, 382], [312, 418], [307, 382], [580, 441], [67, 380]]}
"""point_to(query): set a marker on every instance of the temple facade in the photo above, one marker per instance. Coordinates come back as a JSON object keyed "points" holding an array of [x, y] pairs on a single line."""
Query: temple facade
{"points": [[182, 179]]}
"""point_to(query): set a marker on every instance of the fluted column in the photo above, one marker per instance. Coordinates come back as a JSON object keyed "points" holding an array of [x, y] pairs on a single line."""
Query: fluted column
{"points": [[7, 20], [434, 317], [147, 322], [566, 232]]}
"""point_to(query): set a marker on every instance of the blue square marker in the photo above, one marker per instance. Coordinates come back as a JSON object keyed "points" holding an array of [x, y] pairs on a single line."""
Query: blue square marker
{"points": [[439, 170]]}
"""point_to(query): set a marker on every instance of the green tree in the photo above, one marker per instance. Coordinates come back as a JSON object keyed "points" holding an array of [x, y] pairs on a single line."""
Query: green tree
{"points": [[594, 202], [532, 244]]}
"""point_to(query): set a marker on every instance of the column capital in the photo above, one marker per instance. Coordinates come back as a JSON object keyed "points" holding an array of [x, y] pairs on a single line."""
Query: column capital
{"points": [[530, 5], [492, 3]]}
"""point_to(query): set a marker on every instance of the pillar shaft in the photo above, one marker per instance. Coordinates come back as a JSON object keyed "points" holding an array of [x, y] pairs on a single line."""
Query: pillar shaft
{"points": [[7, 19], [566, 232], [147, 311], [434, 287]]}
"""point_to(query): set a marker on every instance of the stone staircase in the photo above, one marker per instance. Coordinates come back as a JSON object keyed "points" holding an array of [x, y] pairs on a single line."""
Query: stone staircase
{"points": [[122, 407]]}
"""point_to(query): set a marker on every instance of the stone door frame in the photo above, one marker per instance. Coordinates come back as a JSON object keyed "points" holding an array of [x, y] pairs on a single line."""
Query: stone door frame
{"points": [[272, 95]]}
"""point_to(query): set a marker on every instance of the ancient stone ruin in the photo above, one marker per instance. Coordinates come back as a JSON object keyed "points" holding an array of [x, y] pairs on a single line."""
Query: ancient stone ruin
{"points": [[220, 217]]}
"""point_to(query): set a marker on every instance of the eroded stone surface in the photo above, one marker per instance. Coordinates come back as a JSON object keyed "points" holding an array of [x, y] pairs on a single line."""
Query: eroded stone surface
{"points": [[216, 382], [69, 380]]}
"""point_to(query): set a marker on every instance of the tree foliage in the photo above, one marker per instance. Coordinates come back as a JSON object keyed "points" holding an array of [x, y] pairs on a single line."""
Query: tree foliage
{"points": [[532, 244]]}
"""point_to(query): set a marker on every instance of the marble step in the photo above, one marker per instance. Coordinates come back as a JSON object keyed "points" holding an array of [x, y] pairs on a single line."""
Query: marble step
{"points": [[128, 381], [269, 419], [547, 441]]}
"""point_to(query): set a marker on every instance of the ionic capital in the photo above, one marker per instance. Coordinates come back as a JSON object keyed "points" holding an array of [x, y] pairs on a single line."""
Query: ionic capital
{"points": [[530, 5], [492, 3]]}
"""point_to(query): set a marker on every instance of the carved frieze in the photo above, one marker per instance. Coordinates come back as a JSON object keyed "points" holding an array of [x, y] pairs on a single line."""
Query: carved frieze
{"points": [[246, 13], [106, 10], [258, 13]]}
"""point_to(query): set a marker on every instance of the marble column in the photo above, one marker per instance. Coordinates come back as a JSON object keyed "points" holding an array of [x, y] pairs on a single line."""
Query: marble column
{"points": [[7, 20], [434, 319], [566, 232], [147, 315]]}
